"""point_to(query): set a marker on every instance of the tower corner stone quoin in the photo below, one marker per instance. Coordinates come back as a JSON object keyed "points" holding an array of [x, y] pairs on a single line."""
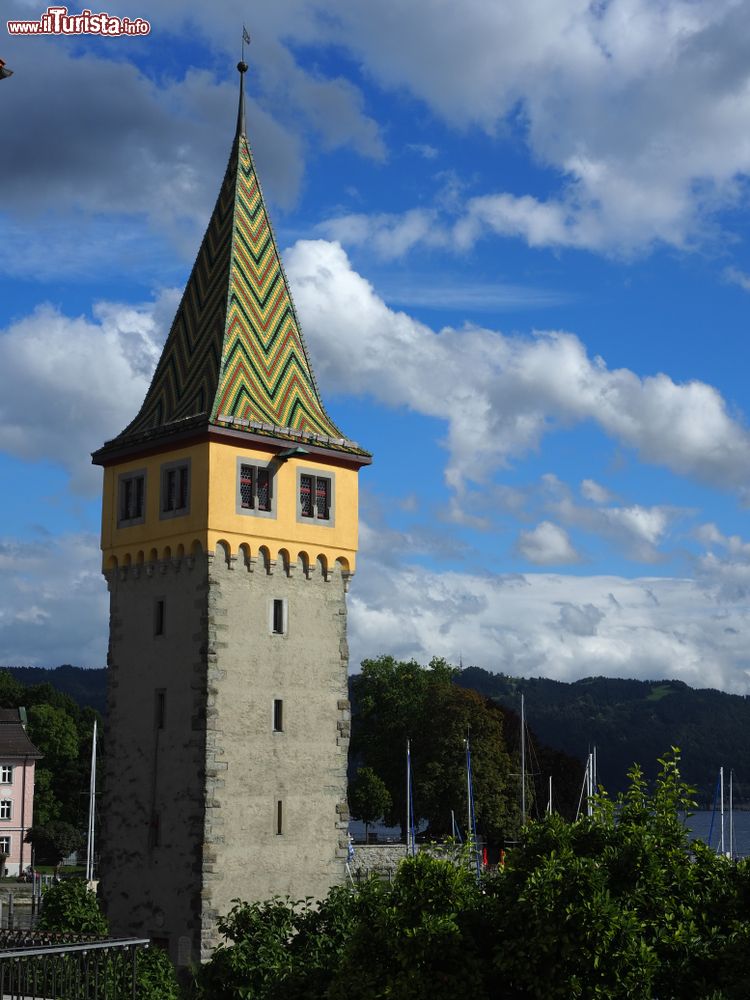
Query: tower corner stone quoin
{"points": [[229, 537]]}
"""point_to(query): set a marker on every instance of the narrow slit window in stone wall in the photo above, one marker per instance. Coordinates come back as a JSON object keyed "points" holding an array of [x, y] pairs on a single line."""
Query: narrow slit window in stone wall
{"points": [[278, 617], [279, 818], [155, 830], [160, 705], [159, 616], [278, 715]]}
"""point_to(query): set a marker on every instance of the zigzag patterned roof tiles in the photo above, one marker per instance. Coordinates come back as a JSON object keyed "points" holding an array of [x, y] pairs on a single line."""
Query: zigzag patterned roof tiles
{"points": [[235, 354]]}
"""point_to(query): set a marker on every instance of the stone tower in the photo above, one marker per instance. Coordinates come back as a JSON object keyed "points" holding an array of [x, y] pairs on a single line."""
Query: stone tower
{"points": [[229, 534]]}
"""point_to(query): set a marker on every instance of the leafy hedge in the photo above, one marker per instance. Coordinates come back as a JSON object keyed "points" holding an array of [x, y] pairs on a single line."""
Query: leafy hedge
{"points": [[618, 905]]}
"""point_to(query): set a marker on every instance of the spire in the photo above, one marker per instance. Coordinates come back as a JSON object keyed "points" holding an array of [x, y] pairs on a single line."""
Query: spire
{"points": [[241, 128], [235, 355]]}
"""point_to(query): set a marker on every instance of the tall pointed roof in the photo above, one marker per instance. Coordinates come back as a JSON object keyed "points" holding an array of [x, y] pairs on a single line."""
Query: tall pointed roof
{"points": [[235, 355]]}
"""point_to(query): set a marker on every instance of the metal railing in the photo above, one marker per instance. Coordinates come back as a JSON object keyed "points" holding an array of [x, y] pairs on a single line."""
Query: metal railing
{"points": [[90, 970]]}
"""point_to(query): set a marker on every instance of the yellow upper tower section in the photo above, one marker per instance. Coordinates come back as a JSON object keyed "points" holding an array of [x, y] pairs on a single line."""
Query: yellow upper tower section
{"points": [[232, 444]]}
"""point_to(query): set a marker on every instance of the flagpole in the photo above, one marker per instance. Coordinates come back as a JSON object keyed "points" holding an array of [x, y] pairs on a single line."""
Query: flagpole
{"points": [[408, 798], [92, 800]]}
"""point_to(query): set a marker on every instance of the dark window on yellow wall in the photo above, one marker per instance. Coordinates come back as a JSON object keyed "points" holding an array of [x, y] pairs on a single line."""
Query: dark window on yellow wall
{"points": [[255, 488], [160, 707], [278, 715], [159, 616], [132, 499], [278, 617], [315, 496], [279, 818], [175, 489]]}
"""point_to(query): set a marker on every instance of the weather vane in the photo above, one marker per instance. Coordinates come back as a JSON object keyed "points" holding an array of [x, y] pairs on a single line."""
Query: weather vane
{"points": [[245, 40]]}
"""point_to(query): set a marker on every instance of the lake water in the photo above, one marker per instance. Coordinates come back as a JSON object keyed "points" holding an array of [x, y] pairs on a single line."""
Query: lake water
{"points": [[699, 824]]}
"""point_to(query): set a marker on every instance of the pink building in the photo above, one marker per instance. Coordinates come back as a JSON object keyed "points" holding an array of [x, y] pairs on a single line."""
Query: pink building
{"points": [[18, 757]]}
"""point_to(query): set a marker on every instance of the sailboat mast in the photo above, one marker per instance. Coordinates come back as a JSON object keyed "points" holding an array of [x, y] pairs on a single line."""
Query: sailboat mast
{"points": [[590, 786], [731, 813], [469, 826], [549, 797], [721, 784], [523, 762]]}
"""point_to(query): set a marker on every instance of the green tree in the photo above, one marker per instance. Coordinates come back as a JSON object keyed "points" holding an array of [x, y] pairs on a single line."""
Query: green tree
{"points": [[279, 949], [415, 939], [369, 799], [388, 699], [395, 701], [452, 715], [620, 905], [54, 841], [11, 691], [54, 732], [47, 807]]}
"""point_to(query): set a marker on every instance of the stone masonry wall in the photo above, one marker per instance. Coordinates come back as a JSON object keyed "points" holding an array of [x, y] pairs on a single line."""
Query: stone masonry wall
{"points": [[251, 851], [195, 768], [153, 807]]}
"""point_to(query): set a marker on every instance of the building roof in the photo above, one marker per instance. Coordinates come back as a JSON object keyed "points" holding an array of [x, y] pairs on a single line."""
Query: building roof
{"points": [[235, 356], [13, 739]]}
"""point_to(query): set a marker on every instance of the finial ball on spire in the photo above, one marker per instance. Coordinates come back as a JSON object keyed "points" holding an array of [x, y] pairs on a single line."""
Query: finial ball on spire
{"points": [[242, 66]]}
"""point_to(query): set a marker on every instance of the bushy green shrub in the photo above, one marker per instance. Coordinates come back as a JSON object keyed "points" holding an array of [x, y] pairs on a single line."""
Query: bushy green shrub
{"points": [[70, 908], [617, 906]]}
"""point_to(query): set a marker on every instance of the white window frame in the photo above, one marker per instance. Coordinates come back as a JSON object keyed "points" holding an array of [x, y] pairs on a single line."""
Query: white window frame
{"points": [[6, 850], [6, 774], [6, 805]]}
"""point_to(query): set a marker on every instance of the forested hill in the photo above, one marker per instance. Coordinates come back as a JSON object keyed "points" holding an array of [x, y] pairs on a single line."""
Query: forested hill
{"points": [[629, 721], [85, 687]]}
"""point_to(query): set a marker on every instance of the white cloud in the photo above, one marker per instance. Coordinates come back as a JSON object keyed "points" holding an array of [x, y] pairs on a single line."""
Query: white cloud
{"points": [[547, 545], [54, 610], [736, 277], [640, 530], [68, 384], [390, 236], [595, 492], [725, 573], [53, 602], [580, 619], [508, 391], [564, 627], [640, 107]]}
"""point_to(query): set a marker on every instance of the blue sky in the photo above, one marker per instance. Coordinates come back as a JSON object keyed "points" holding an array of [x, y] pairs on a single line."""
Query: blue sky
{"points": [[517, 237]]}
